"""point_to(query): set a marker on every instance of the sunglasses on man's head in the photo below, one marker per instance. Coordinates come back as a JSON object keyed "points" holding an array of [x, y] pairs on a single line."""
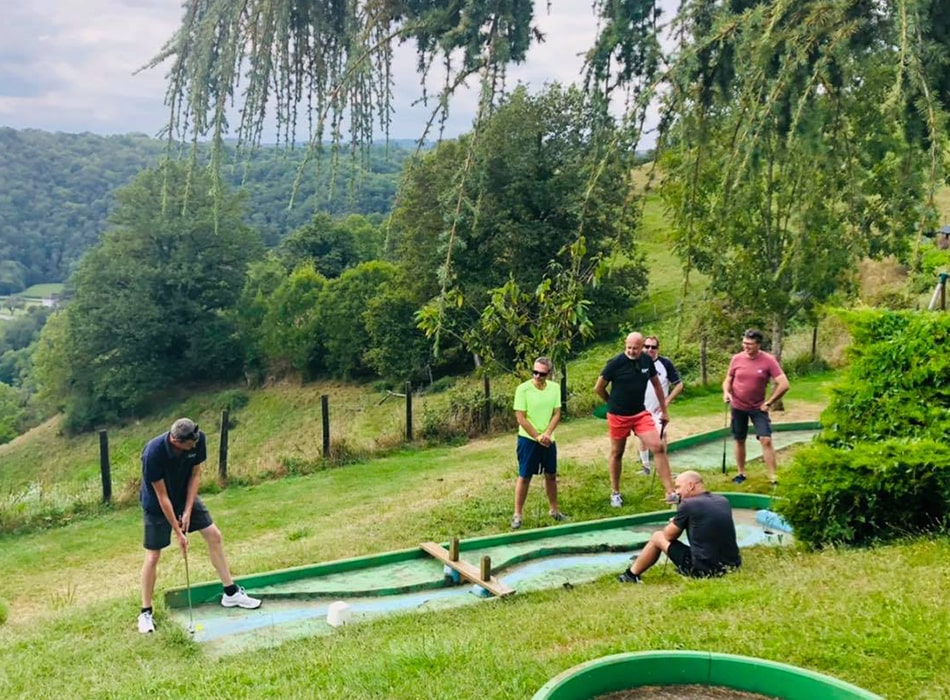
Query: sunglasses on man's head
{"points": [[651, 347], [536, 373], [193, 436]]}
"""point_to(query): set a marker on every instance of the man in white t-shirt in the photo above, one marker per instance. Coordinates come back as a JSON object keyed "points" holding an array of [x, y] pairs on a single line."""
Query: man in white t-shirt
{"points": [[672, 386]]}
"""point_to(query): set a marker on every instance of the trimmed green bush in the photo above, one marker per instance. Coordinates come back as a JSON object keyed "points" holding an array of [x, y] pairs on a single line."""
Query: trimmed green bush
{"points": [[874, 492], [898, 381], [881, 468]]}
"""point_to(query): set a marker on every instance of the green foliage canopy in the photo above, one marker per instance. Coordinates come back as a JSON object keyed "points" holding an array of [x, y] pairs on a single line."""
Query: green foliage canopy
{"points": [[803, 136], [59, 189], [539, 209], [149, 299]]}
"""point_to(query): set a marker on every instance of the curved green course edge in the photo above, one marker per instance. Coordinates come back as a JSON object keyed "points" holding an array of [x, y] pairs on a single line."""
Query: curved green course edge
{"points": [[207, 592], [632, 670], [719, 433]]}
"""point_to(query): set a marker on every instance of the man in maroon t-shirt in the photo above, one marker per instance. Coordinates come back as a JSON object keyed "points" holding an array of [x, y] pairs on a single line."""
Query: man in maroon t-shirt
{"points": [[744, 390]]}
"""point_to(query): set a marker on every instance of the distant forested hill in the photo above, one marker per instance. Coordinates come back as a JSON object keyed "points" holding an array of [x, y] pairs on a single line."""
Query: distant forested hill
{"points": [[56, 193]]}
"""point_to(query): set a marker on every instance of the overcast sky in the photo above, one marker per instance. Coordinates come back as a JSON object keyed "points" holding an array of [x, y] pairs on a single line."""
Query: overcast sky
{"points": [[67, 65]]}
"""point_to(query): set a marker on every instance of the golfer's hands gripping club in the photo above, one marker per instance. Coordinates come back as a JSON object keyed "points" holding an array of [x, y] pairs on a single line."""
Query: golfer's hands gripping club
{"points": [[182, 535]]}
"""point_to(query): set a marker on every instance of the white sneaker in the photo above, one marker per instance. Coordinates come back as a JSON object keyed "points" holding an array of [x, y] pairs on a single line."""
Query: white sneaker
{"points": [[240, 600], [146, 624], [616, 500]]}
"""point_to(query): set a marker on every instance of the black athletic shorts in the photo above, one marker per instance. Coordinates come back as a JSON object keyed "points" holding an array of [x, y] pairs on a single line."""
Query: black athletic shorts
{"points": [[740, 424], [682, 557], [158, 531]]}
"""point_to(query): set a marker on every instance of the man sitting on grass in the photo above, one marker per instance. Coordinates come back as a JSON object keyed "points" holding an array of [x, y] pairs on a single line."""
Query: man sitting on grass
{"points": [[707, 519]]}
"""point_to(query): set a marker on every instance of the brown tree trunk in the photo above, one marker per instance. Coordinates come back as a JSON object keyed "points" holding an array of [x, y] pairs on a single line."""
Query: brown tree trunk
{"points": [[778, 340]]}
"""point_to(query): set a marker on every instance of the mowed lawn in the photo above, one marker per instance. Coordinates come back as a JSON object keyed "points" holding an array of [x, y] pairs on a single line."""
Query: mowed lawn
{"points": [[873, 617]]}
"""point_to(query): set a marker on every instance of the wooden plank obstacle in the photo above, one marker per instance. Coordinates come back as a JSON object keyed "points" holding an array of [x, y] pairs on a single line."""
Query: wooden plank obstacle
{"points": [[482, 577]]}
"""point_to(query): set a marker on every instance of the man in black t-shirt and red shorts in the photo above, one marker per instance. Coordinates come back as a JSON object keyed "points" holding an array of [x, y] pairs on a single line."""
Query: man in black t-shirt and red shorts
{"points": [[628, 375]]}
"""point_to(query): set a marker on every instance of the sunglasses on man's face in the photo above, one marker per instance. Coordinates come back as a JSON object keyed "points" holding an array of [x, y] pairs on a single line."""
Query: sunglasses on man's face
{"points": [[536, 373], [651, 347]]}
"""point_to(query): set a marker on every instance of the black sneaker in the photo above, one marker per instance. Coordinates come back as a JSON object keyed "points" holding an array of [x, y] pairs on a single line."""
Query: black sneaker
{"points": [[629, 577], [738, 478]]}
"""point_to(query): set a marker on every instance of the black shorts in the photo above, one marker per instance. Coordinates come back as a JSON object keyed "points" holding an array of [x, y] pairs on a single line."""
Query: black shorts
{"points": [[682, 558], [158, 531], [740, 424]]}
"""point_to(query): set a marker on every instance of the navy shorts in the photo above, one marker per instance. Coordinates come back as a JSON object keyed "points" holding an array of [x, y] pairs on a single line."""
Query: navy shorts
{"points": [[533, 458], [740, 424], [158, 531]]}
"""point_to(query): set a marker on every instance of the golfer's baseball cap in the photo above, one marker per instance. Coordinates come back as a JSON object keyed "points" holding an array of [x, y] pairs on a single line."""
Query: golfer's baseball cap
{"points": [[184, 429]]}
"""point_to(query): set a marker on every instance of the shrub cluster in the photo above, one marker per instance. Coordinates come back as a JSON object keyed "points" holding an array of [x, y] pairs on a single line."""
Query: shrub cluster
{"points": [[873, 492], [465, 416], [898, 381], [881, 468]]}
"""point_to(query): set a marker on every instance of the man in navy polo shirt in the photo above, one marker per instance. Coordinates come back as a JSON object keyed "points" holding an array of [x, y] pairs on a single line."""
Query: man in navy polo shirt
{"points": [[171, 467]]}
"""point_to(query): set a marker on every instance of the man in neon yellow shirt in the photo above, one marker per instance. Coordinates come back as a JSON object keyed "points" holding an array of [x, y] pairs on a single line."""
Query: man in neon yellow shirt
{"points": [[538, 411]]}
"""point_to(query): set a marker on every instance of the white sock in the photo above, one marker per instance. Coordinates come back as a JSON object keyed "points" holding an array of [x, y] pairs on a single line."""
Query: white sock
{"points": [[645, 458]]}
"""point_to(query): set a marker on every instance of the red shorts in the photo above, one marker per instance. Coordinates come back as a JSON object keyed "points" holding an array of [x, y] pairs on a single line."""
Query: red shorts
{"points": [[620, 427]]}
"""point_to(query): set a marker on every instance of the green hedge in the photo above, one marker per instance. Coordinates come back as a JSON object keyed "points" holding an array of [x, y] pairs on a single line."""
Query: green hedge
{"points": [[898, 380], [874, 492], [881, 468]]}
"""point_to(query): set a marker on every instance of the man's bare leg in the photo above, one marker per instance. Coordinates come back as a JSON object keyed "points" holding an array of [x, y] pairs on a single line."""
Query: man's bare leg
{"points": [[768, 456], [615, 462]]}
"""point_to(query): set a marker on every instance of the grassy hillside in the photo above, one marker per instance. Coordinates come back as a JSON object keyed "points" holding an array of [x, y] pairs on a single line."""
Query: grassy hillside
{"points": [[69, 592], [54, 478], [869, 617]]}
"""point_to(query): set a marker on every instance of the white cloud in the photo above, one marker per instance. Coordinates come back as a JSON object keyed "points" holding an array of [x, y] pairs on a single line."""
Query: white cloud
{"points": [[80, 58], [68, 66]]}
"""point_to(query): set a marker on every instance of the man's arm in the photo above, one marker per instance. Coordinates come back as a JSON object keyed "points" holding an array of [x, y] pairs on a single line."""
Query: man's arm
{"points": [[168, 510], [676, 382], [600, 388], [674, 392], [522, 418], [552, 424], [672, 531], [781, 386], [727, 388], [191, 495], [660, 398]]}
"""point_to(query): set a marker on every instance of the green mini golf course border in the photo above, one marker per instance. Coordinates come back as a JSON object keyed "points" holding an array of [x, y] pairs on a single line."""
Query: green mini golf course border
{"points": [[208, 592], [702, 438], [633, 670]]}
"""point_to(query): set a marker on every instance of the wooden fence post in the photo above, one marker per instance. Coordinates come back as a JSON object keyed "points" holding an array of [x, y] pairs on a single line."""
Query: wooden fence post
{"points": [[104, 467], [223, 449], [564, 389], [486, 416], [408, 412], [325, 411]]}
